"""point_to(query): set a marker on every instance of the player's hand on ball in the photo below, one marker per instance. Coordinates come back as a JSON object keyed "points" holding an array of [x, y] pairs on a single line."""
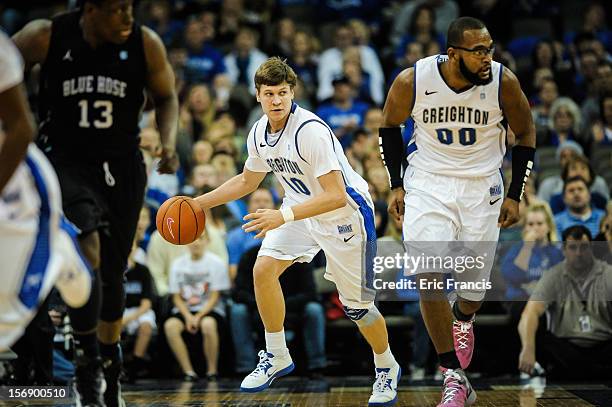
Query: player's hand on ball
{"points": [[527, 360], [508, 214], [396, 203], [263, 220]]}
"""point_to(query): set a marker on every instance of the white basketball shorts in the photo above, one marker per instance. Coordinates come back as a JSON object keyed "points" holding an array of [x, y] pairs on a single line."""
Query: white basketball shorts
{"points": [[349, 244], [453, 216]]}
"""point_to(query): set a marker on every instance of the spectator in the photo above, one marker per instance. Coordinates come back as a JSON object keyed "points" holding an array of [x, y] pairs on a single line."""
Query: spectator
{"points": [[576, 296], [159, 19], [547, 55], [304, 313], [343, 114], [603, 246], [358, 78], [196, 280], [579, 166], [525, 263], [578, 210], [160, 255], [554, 185], [239, 241], [231, 17], [201, 153], [412, 52], [593, 29], [591, 107], [197, 113], [564, 123], [445, 11], [602, 130], [304, 60], [138, 317], [330, 66], [204, 62], [585, 77], [282, 45], [244, 59], [547, 94], [421, 29]]}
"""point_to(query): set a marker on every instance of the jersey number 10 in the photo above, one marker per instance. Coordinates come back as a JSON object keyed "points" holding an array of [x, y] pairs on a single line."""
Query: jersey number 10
{"points": [[104, 107], [297, 185], [467, 136]]}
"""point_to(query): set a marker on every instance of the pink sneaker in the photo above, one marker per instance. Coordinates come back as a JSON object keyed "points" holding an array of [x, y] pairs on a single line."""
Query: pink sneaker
{"points": [[463, 337], [457, 390]]}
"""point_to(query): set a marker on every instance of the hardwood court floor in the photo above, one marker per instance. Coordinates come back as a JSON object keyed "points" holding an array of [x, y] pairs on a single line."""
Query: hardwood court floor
{"points": [[352, 392]]}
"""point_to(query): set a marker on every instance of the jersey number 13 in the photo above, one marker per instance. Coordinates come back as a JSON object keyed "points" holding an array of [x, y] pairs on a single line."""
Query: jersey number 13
{"points": [[103, 111]]}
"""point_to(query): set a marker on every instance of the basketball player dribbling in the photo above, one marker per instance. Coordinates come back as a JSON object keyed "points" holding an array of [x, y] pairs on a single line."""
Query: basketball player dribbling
{"points": [[452, 190], [326, 207]]}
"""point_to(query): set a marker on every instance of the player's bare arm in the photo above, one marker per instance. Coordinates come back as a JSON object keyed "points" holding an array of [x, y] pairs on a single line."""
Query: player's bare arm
{"points": [[160, 83], [33, 42], [332, 198], [397, 109], [232, 189], [527, 331], [18, 128], [516, 110]]}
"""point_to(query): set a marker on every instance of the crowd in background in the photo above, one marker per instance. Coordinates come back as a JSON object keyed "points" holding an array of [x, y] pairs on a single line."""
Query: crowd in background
{"points": [[346, 55]]}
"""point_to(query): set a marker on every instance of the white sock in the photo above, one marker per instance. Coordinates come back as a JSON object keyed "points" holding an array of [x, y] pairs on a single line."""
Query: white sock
{"points": [[385, 359], [275, 343]]}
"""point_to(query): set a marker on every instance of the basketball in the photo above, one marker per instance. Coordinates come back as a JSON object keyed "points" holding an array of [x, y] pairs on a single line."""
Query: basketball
{"points": [[180, 220]]}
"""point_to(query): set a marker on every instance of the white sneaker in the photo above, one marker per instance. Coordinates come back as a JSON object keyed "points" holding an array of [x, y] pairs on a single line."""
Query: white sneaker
{"points": [[269, 368], [384, 391], [416, 373]]}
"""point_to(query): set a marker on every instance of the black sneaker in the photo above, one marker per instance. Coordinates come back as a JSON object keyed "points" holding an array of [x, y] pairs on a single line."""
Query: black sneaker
{"points": [[190, 377], [112, 372], [89, 384]]}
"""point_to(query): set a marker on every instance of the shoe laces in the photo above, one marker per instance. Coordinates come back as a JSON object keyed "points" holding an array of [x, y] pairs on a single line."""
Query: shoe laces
{"points": [[452, 385], [382, 380], [263, 365], [461, 330]]}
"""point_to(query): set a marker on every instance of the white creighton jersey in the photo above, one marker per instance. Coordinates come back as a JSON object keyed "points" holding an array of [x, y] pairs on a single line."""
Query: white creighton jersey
{"points": [[302, 151], [11, 67], [460, 134]]}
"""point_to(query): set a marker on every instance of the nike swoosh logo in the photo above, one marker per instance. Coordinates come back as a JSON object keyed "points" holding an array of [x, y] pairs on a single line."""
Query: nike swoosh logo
{"points": [[169, 222], [346, 239], [427, 93], [262, 145], [493, 202]]}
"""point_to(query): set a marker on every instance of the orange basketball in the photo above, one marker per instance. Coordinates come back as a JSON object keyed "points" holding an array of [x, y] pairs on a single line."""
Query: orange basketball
{"points": [[180, 220]]}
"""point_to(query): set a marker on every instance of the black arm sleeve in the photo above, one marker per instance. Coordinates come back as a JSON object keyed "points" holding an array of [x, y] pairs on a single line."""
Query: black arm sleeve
{"points": [[522, 164], [391, 145]]}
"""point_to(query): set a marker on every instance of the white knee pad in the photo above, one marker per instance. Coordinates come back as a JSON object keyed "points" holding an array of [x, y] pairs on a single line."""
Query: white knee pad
{"points": [[363, 316]]}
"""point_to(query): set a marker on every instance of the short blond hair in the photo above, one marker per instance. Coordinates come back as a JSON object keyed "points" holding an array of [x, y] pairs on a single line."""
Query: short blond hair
{"points": [[273, 72]]}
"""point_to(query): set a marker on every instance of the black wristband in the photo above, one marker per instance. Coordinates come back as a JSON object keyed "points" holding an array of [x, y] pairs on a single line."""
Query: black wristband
{"points": [[391, 145], [522, 164]]}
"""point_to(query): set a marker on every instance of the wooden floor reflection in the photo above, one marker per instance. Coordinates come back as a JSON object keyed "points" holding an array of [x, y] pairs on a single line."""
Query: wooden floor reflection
{"points": [[351, 392]]}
